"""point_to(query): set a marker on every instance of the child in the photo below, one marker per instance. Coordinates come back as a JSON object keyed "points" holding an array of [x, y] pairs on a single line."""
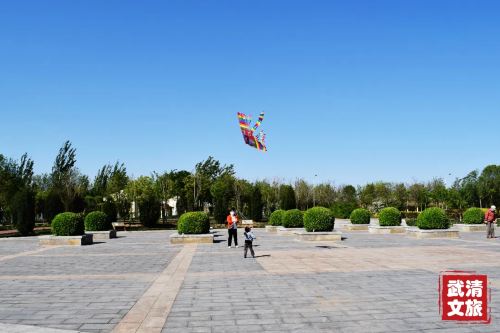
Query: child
{"points": [[249, 237]]}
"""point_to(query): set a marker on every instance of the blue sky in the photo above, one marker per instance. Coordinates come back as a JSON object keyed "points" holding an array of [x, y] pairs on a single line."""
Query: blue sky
{"points": [[354, 91]]}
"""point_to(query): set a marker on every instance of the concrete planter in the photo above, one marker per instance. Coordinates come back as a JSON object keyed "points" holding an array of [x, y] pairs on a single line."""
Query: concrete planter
{"points": [[432, 233], [86, 239], [190, 239], [470, 227], [271, 228], [356, 227], [282, 231], [376, 229], [103, 235], [332, 236]]}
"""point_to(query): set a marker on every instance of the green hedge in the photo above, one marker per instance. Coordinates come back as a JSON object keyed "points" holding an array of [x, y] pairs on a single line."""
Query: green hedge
{"points": [[319, 219], [276, 217], [293, 218], [193, 223], [389, 217], [360, 216], [473, 216], [433, 218], [97, 221], [68, 224]]}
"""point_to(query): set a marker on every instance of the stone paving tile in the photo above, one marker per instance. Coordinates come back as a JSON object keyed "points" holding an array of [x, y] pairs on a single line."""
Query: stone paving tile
{"points": [[223, 292], [103, 282], [368, 283], [9, 246]]}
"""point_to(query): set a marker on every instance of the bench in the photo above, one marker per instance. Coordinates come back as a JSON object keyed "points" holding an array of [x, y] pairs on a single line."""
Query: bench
{"points": [[117, 225], [247, 223]]}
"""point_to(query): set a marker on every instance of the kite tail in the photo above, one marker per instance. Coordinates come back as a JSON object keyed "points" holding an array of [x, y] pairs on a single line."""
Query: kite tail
{"points": [[257, 124]]}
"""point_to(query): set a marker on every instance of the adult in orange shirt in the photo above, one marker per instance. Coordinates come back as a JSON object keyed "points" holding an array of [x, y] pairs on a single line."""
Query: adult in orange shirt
{"points": [[489, 219], [232, 227]]}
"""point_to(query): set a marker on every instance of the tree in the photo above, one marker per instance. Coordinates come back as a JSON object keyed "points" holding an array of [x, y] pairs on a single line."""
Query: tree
{"points": [[17, 192], [438, 194], [141, 191], [303, 193], [222, 191], [287, 197], [110, 179], [489, 185], [469, 189], [418, 194], [23, 210], [64, 175], [367, 195], [206, 173], [118, 179], [346, 203], [400, 194], [149, 209], [180, 180], [324, 195], [163, 188], [383, 194], [242, 196], [256, 204], [269, 197]]}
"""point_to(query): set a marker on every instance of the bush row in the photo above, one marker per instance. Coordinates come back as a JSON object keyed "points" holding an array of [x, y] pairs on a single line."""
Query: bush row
{"points": [[73, 224], [314, 219]]}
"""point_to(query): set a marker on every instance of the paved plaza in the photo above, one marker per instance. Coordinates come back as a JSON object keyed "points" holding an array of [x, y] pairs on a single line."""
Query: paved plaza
{"points": [[141, 283]]}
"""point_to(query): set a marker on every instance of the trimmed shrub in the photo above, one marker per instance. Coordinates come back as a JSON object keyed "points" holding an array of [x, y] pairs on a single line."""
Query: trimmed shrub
{"points": [[389, 217], [433, 218], [276, 217], [411, 222], [473, 216], [97, 221], [360, 216], [319, 219], [193, 223], [293, 218], [68, 224]]}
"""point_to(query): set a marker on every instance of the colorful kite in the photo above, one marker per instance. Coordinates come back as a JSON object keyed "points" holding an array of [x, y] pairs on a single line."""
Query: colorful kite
{"points": [[256, 141]]}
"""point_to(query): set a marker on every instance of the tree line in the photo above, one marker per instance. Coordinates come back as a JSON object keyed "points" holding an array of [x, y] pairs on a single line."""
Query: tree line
{"points": [[213, 187]]}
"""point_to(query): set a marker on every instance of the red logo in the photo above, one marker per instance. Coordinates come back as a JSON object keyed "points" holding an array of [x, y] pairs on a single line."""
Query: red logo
{"points": [[464, 297]]}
